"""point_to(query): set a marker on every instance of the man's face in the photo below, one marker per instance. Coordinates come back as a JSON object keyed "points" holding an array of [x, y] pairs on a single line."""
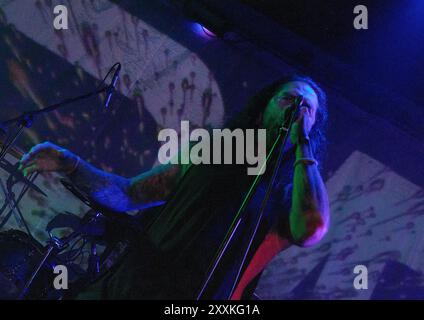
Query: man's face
{"points": [[276, 110]]}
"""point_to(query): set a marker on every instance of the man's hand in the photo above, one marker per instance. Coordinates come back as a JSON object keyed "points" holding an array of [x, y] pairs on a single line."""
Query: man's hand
{"points": [[47, 157], [302, 126]]}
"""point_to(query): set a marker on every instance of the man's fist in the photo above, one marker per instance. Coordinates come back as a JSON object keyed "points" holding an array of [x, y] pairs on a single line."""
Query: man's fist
{"points": [[47, 157], [302, 126]]}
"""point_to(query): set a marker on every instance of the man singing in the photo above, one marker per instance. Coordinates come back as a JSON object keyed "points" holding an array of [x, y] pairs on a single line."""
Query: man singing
{"points": [[195, 207]]}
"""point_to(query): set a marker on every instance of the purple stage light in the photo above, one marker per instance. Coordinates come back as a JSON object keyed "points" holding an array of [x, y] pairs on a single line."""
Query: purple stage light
{"points": [[203, 31], [208, 32]]}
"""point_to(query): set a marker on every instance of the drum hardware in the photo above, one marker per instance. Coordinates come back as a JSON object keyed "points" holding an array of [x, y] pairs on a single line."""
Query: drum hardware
{"points": [[55, 245], [15, 176], [93, 261], [13, 203], [24, 291], [92, 229], [19, 254]]}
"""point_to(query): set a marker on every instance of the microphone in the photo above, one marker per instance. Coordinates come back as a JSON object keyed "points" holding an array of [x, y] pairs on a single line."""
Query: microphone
{"points": [[295, 106], [292, 112], [111, 89]]}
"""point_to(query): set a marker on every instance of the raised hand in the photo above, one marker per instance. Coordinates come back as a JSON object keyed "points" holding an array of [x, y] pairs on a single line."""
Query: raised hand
{"points": [[302, 126]]}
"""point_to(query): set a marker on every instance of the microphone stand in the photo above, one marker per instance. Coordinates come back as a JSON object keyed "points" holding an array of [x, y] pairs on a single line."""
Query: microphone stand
{"points": [[283, 134], [26, 120]]}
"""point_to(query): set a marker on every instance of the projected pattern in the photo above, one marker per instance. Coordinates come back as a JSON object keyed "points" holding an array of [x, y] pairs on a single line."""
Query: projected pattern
{"points": [[376, 217]]}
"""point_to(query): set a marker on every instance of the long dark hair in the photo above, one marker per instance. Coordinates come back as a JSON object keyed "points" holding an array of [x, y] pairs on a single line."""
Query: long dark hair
{"points": [[252, 114]]}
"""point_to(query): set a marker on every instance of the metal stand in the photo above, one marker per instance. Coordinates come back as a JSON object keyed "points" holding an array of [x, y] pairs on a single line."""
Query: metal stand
{"points": [[55, 245], [283, 135], [13, 203]]}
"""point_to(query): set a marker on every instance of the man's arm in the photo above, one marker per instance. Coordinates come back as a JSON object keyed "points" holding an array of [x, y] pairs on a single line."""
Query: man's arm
{"points": [[310, 212], [125, 194], [109, 190]]}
